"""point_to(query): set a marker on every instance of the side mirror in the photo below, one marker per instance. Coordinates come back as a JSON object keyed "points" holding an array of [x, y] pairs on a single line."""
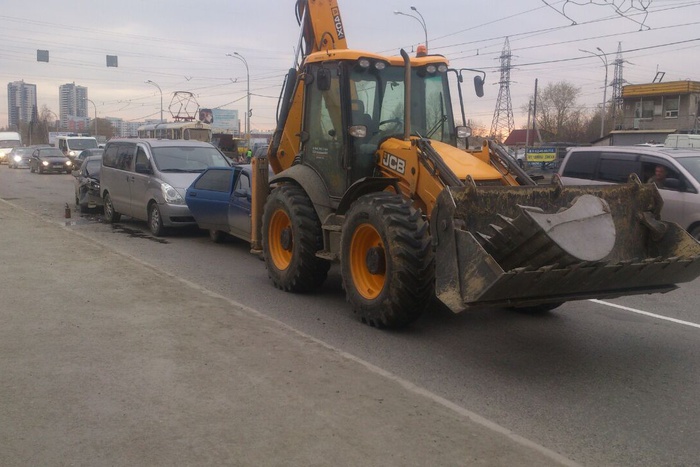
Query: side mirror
{"points": [[673, 184], [242, 194], [479, 86]]}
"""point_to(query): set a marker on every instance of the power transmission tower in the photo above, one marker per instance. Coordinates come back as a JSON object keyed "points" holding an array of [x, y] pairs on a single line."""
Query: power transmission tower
{"points": [[503, 115], [616, 84]]}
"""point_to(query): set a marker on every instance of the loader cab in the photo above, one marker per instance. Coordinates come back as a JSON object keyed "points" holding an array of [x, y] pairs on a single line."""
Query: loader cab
{"points": [[352, 106]]}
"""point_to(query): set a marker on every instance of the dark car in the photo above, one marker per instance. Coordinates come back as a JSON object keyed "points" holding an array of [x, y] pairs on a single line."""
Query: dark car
{"points": [[219, 200], [84, 154], [19, 158], [49, 159], [87, 184]]}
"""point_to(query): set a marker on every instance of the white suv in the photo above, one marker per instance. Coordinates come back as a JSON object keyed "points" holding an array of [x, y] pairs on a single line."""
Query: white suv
{"points": [[614, 164]]}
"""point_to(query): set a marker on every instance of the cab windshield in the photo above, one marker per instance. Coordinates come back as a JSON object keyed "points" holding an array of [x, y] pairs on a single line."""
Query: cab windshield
{"points": [[378, 103], [188, 159]]}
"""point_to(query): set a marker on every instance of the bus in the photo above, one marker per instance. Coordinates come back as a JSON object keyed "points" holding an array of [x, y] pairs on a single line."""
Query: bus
{"points": [[197, 131]]}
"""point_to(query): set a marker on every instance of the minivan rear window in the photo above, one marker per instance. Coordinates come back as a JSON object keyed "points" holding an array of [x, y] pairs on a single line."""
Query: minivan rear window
{"points": [[581, 165]]}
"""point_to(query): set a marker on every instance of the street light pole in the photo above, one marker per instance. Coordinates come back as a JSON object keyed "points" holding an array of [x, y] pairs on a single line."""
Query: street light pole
{"points": [[421, 20], [247, 72], [148, 81], [604, 59], [95, 107]]}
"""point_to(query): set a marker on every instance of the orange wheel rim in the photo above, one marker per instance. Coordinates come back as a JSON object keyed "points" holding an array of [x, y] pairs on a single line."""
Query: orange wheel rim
{"points": [[280, 239], [366, 242]]}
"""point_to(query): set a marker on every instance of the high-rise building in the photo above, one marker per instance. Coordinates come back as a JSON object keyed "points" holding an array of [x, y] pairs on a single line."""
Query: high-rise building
{"points": [[21, 103], [72, 103]]}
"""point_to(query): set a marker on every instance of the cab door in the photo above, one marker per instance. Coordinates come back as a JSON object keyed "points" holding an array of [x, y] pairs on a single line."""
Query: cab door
{"points": [[324, 150], [209, 196], [239, 207]]}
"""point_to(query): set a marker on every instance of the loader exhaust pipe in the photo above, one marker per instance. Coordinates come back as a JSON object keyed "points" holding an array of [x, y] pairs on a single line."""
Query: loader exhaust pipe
{"points": [[406, 96]]}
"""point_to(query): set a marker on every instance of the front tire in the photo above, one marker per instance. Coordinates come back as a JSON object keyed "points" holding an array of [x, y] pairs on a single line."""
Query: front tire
{"points": [[291, 237], [111, 216], [155, 220], [387, 265]]}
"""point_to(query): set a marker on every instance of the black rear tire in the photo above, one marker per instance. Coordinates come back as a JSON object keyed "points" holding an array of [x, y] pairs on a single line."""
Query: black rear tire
{"points": [[388, 265], [291, 237]]}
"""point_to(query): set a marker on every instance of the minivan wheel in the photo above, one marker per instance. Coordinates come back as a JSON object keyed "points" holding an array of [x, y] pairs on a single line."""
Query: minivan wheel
{"points": [[111, 215], [155, 220]]}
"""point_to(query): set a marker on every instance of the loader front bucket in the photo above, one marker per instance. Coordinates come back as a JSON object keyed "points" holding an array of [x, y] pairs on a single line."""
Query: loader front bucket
{"points": [[530, 245]]}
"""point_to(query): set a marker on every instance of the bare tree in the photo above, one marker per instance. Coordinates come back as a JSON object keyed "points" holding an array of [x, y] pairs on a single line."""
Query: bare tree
{"points": [[559, 114]]}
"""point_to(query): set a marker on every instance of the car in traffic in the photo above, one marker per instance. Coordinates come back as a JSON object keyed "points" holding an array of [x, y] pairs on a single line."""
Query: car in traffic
{"points": [[49, 159], [18, 157], [219, 200], [614, 164], [85, 153], [146, 179], [87, 184]]}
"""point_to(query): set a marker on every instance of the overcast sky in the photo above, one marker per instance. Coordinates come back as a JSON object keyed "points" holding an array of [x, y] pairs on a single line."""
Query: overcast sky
{"points": [[182, 46]]}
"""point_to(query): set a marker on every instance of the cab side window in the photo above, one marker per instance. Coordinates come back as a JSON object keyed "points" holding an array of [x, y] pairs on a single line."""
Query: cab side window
{"points": [[215, 180], [243, 183], [125, 156], [676, 180], [616, 168], [581, 164], [109, 158], [142, 162]]}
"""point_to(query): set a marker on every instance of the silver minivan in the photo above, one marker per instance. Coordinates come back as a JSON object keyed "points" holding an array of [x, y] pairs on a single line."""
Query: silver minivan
{"points": [[146, 179], [614, 164]]}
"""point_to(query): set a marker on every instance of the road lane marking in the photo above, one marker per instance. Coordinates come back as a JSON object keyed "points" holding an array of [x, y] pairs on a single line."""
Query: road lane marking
{"points": [[646, 313]]}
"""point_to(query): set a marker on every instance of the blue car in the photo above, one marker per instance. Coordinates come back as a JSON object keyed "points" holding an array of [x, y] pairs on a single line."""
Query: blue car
{"points": [[219, 200]]}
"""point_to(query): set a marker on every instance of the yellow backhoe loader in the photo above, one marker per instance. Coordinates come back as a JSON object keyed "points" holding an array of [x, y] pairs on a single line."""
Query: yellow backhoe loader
{"points": [[371, 171]]}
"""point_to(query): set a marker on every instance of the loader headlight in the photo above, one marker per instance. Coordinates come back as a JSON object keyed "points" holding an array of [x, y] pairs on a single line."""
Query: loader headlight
{"points": [[439, 67], [365, 63], [17, 158]]}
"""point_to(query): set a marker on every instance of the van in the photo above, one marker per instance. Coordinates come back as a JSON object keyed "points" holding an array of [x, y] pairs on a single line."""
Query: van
{"points": [[682, 141], [614, 164], [146, 179], [71, 146], [8, 140]]}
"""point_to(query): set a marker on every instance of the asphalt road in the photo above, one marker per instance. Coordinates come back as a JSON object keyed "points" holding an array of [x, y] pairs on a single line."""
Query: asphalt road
{"points": [[599, 384]]}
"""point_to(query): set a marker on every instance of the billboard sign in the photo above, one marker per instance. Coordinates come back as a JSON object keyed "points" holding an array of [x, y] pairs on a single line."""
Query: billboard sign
{"points": [[221, 120], [541, 154]]}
